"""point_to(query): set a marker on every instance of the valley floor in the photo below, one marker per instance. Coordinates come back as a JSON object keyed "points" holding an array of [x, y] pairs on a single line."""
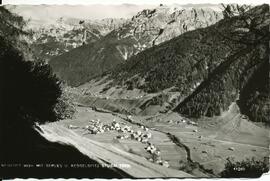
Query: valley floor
{"points": [[189, 150]]}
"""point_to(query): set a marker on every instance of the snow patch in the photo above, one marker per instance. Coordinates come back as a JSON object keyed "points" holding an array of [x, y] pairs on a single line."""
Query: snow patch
{"points": [[123, 53]]}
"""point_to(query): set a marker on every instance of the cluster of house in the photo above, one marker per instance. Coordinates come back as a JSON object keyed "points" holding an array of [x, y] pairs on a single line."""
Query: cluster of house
{"points": [[122, 129], [143, 136], [96, 127], [150, 148], [155, 155], [135, 135]]}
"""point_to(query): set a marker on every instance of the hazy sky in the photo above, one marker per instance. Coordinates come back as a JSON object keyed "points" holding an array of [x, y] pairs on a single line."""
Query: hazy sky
{"points": [[130, 1], [89, 9], [78, 11]]}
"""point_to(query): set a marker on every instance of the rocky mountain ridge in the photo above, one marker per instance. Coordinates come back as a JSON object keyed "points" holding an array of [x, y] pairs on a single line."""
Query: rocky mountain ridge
{"points": [[210, 67], [55, 38], [146, 29]]}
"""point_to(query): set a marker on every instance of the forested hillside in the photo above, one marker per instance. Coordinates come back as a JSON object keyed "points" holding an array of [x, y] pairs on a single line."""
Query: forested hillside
{"points": [[29, 93], [210, 67], [11, 29], [235, 78]]}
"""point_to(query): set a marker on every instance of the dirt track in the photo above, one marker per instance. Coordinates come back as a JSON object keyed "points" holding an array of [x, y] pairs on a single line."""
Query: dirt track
{"points": [[106, 153]]}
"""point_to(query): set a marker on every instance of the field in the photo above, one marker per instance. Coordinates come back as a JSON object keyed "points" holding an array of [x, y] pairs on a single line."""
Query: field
{"points": [[187, 147]]}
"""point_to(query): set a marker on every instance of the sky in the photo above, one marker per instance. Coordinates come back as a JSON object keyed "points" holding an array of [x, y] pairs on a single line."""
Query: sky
{"points": [[96, 9], [130, 1]]}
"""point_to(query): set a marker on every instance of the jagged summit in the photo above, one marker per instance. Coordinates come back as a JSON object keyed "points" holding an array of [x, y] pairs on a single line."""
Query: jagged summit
{"points": [[53, 38], [148, 28]]}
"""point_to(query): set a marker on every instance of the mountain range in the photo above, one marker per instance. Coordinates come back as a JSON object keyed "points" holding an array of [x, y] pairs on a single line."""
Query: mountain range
{"points": [[209, 67], [56, 38], [209, 60], [148, 28]]}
